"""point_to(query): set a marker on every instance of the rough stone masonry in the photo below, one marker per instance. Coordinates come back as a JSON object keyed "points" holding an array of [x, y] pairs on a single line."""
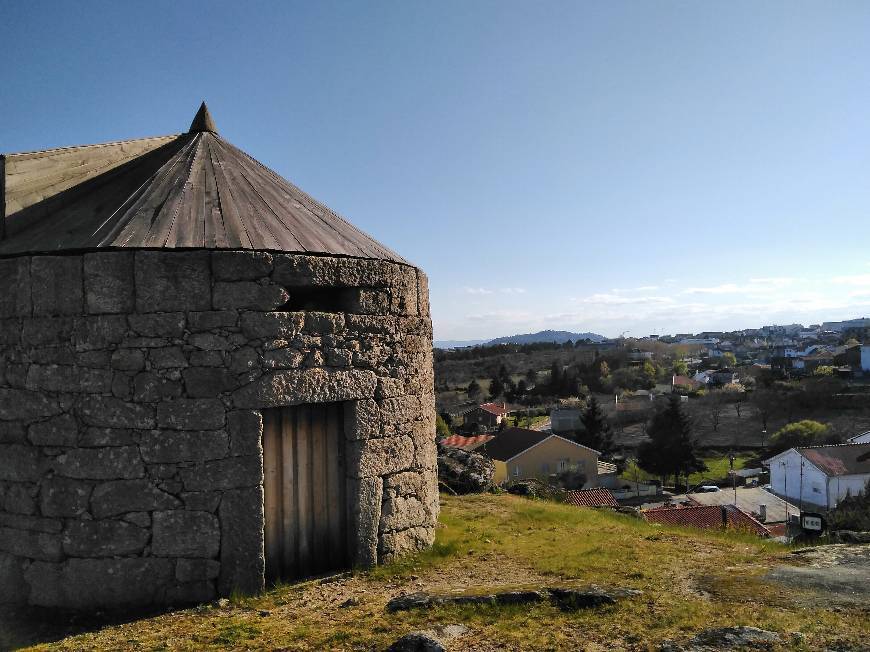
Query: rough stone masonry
{"points": [[131, 384]]}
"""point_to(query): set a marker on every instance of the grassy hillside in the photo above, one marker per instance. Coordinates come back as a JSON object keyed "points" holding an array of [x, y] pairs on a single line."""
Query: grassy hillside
{"points": [[690, 580]]}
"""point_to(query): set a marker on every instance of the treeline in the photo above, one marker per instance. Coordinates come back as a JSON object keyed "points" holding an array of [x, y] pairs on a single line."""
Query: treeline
{"points": [[606, 374], [490, 351]]}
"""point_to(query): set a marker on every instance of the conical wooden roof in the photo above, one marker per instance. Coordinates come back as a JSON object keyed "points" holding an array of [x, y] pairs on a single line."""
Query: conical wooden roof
{"points": [[192, 190]]}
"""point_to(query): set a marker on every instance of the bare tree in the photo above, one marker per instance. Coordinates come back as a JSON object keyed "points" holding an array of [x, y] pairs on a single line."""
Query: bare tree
{"points": [[715, 404]]}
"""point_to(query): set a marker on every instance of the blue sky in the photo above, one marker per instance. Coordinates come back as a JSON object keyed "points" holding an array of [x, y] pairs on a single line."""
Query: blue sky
{"points": [[605, 166]]}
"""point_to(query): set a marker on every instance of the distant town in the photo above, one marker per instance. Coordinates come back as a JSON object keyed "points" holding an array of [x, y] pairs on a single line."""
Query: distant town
{"points": [[760, 425]]}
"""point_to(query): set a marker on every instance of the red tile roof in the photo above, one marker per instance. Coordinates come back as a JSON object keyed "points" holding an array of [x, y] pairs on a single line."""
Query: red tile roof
{"points": [[460, 441], [684, 381], [592, 498], [706, 517], [494, 408]]}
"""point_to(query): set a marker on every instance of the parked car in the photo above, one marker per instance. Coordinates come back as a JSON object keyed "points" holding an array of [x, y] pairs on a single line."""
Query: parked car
{"points": [[707, 488]]}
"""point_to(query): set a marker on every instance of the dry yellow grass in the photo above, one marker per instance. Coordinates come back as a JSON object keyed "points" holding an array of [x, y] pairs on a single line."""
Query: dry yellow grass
{"points": [[690, 580]]}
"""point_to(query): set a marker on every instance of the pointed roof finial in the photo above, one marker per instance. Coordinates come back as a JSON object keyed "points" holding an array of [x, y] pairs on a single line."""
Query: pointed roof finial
{"points": [[202, 121]]}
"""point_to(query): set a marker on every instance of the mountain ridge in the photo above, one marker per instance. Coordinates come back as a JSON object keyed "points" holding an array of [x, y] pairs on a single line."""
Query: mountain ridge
{"points": [[559, 337]]}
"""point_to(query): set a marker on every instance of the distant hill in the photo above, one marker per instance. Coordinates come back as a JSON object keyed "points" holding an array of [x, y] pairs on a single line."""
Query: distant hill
{"points": [[547, 336], [528, 338]]}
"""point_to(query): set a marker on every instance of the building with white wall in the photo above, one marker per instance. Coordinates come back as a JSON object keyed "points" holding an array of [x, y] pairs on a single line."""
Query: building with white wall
{"points": [[820, 476]]}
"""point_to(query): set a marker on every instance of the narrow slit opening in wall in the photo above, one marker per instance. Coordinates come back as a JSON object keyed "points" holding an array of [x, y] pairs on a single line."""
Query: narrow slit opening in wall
{"points": [[321, 299], [305, 491]]}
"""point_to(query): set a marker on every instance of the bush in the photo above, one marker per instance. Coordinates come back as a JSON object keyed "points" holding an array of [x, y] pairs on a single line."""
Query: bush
{"points": [[799, 433], [570, 479], [853, 513]]}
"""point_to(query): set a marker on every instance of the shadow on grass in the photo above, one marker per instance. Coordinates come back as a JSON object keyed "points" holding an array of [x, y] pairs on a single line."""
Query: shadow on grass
{"points": [[25, 626]]}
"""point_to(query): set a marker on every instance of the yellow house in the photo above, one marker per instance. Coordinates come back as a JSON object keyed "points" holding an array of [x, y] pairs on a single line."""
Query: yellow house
{"points": [[520, 453]]}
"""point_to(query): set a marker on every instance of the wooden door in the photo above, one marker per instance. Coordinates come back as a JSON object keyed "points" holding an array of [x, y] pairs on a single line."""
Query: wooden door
{"points": [[305, 491]]}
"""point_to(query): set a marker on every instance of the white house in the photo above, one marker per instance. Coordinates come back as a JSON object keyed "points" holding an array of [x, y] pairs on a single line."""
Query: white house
{"points": [[820, 476], [863, 438]]}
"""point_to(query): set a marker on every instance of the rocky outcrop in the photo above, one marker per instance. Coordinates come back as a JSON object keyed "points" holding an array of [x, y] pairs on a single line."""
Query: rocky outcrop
{"points": [[464, 472]]}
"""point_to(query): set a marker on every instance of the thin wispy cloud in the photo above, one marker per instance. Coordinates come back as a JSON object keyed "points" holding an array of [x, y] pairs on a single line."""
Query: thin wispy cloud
{"points": [[672, 308], [854, 279], [753, 286], [483, 291]]}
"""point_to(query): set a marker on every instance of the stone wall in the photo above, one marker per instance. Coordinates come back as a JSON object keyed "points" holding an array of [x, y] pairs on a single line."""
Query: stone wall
{"points": [[131, 463]]}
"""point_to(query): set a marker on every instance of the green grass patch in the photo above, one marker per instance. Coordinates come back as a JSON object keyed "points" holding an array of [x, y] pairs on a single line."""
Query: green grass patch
{"points": [[717, 468]]}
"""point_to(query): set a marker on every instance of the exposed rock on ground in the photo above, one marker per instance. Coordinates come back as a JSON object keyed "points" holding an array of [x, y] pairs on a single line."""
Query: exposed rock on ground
{"points": [[417, 642], [464, 472], [725, 638], [428, 640], [567, 599], [837, 572]]}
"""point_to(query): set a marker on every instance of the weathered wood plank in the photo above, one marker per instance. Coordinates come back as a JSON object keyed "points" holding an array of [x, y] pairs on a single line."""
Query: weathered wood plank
{"points": [[335, 481], [320, 488], [290, 567], [272, 493], [304, 485]]}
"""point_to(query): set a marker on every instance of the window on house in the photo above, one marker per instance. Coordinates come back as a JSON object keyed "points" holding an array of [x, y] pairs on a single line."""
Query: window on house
{"points": [[563, 465], [545, 467], [517, 471]]}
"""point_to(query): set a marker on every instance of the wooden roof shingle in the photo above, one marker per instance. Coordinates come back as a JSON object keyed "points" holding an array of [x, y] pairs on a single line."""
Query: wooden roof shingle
{"points": [[191, 190]]}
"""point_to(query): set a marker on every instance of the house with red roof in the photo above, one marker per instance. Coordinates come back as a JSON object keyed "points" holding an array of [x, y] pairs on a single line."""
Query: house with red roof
{"points": [[707, 517], [820, 476], [487, 415], [684, 383]]}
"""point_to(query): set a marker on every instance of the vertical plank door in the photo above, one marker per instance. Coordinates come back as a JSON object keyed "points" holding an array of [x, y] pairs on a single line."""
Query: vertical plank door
{"points": [[305, 491]]}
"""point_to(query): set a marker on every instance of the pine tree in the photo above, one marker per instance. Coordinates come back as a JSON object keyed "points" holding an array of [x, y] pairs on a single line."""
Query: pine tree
{"points": [[555, 377], [442, 430], [473, 390], [496, 387], [596, 432], [671, 448]]}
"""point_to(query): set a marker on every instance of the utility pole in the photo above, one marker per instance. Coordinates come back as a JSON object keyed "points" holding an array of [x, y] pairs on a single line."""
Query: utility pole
{"points": [[731, 457], [801, 488]]}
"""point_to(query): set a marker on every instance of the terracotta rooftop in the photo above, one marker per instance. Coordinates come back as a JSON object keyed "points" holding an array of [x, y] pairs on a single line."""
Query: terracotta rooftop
{"points": [[468, 443], [597, 497], [190, 190], [494, 408], [706, 517]]}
